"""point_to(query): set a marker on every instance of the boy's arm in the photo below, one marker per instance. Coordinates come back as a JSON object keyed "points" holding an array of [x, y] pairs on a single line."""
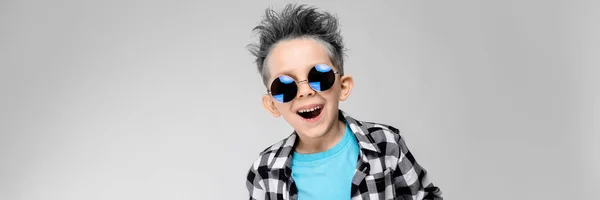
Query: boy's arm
{"points": [[410, 179], [255, 185]]}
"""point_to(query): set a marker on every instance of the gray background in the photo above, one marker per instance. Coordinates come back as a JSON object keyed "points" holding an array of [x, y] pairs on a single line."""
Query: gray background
{"points": [[160, 99]]}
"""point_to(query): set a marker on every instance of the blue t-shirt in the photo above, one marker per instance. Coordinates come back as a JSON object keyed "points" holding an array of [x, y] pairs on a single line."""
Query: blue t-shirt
{"points": [[328, 174]]}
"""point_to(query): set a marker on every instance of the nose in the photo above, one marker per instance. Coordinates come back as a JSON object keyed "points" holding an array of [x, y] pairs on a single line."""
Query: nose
{"points": [[304, 89]]}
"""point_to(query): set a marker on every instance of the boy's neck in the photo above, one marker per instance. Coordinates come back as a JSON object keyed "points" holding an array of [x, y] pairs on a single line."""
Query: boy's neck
{"points": [[323, 143]]}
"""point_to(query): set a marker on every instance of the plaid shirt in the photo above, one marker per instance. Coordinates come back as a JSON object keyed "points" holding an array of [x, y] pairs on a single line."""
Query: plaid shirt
{"points": [[385, 170]]}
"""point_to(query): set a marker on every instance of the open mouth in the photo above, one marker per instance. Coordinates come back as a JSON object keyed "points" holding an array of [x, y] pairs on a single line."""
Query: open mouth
{"points": [[310, 113]]}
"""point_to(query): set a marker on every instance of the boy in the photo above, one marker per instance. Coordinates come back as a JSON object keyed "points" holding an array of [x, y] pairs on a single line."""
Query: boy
{"points": [[330, 155]]}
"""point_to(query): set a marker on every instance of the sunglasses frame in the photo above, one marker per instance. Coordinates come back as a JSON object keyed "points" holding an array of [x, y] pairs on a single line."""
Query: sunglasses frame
{"points": [[306, 80]]}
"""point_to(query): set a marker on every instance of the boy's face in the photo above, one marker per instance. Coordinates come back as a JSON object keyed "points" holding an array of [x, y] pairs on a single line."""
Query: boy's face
{"points": [[295, 58]]}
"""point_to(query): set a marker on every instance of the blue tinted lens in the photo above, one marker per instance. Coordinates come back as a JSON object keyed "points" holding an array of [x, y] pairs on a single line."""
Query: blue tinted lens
{"points": [[283, 89], [321, 77]]}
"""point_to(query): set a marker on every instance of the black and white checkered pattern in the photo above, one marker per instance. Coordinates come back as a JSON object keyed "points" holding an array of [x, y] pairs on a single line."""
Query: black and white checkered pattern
{"points": [[386, 169]]}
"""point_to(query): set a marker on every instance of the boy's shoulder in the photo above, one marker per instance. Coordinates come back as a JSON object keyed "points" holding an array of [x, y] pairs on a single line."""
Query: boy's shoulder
{"points": [[375, 132], [277, 146], [375, 129], [276, 154]]}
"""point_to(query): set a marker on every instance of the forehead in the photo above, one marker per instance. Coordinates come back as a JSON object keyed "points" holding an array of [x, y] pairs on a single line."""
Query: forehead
{"points": [[295, 57]]}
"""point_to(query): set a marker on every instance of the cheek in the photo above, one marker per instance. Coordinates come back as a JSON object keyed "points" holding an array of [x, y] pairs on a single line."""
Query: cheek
{"points": [[283, 108], [332, 94]]}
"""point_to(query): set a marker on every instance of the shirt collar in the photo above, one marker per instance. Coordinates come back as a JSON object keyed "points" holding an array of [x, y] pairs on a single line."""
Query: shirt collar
{"points": [[281, 159]]}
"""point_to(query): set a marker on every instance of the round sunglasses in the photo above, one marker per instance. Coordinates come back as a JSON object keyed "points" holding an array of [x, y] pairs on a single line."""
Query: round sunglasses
{"points": [[320, 78]]}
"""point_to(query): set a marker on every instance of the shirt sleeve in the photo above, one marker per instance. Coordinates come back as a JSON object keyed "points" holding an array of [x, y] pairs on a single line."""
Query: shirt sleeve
{"points": [[255, 185], [411, 181]]}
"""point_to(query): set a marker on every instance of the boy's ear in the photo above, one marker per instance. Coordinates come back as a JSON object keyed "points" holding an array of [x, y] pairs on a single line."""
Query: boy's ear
{"points": [[347, 85], [269, 105]]}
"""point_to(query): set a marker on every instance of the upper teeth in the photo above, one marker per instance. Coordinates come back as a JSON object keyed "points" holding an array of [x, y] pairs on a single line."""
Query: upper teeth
{"points": [[309, 110]]}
